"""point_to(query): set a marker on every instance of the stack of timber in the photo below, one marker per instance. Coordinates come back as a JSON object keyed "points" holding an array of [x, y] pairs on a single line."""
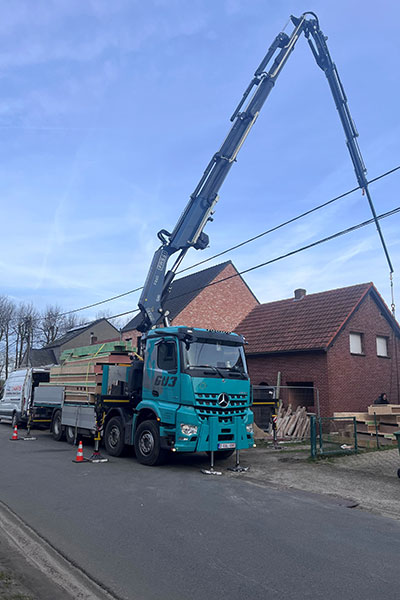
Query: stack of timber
{"points": [[294, 425], [381, 420], [81, 369]]}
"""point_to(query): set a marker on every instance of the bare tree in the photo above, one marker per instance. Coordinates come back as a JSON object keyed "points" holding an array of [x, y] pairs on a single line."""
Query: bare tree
{"points": [[25, 328], [51, 324], [71, 321], [7, 312], [116, 321]]}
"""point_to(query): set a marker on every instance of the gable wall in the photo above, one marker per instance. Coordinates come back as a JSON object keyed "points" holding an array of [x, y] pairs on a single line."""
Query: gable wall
{"points": [[355, 381], [222, 306], [103, 331]]}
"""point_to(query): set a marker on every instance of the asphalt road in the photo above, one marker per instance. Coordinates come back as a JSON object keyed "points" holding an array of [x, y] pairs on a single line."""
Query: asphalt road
{"points": [[172, 533]]}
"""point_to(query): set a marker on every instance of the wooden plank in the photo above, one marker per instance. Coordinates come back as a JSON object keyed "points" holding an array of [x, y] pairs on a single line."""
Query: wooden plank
{"points": [[384, 409], [389, 419], [302, 426], [69, 369], [292, 422], [363, 428], [383, 428], [360, 416]]}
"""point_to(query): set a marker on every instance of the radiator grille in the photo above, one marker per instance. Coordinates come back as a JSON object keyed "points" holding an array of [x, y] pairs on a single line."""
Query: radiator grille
{"points": [[207, 405]]}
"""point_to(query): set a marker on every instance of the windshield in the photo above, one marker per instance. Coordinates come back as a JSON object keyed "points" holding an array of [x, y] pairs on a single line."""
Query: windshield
{"points": [[214, 355]]}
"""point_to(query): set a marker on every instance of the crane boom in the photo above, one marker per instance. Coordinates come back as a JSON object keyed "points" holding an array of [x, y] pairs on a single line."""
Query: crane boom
{"points": [[189, 230]]}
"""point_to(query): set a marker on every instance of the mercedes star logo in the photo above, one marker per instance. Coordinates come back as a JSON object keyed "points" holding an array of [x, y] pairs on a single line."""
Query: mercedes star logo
{"points": [[223, 400]]}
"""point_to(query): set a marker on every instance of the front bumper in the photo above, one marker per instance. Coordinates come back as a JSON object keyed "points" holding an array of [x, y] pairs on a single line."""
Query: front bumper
{"points": [[211, 432]]}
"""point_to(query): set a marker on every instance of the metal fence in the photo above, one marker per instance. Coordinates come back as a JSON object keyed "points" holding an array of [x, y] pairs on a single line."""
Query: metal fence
{"points": [[267, 399], [333, 435], [264, 404]]}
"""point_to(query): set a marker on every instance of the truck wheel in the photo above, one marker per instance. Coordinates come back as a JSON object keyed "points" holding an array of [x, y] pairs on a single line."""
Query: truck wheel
{"points": [[70, 434], [222, 454], [56, 428], [147, 444], [114, 437]]}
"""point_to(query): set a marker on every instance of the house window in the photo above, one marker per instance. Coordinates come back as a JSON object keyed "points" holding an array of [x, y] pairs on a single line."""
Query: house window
{"points": [[356, 343], [381, 346]]}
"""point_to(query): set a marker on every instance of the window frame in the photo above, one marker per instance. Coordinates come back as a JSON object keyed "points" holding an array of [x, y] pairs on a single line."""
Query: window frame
{"points": [[165, 343], [382, 337], [361, 338]]}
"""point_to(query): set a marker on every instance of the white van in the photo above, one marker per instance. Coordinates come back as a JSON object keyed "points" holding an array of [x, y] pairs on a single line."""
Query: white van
{"points": [[18, 394]]}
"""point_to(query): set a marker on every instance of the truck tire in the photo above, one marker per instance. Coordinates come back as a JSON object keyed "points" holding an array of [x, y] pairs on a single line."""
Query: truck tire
{"points": [[57, 430], [222, 454], [147, 444], [70, 434], [114, 437]]}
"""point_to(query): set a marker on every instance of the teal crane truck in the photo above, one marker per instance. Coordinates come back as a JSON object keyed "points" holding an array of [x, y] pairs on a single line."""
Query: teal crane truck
{"points": [[189, 390]]}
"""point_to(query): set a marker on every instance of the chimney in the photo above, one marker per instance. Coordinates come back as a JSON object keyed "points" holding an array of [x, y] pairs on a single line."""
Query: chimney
{"points": [[299, 293]]}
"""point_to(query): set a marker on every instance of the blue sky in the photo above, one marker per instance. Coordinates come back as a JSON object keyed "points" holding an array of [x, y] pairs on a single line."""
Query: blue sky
{"points": [[110, 111]]}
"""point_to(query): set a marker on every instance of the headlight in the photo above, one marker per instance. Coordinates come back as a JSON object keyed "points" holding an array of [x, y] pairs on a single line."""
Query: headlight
{"points": [[249, 428], [188, 429]]}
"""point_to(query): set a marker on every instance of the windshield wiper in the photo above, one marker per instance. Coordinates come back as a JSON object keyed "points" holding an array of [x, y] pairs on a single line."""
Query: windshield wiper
{"points": [[235, 369], [215, 369]]}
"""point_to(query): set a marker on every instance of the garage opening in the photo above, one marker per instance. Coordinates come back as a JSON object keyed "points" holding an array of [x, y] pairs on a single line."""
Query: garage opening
{"points": [[300, 393]]}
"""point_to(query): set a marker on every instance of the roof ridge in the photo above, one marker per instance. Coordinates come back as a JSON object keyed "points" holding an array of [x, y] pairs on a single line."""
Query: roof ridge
{"points": [[185, 291], [311, 323], [347, 287]]}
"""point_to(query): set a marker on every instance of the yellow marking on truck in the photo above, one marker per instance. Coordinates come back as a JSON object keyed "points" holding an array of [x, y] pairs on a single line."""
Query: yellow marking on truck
{"points": [[41, 420], [120, 401], [270, 403]]}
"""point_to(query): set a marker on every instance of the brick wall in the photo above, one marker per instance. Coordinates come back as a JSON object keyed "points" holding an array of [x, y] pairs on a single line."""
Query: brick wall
{"points": [[222, 306], [297, 367], [355, 381]]}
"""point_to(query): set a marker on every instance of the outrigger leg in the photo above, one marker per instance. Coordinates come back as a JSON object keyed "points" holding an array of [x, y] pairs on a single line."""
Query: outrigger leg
{"points": [[29, 437], [238, 468], [97, 457], [211, 470]]}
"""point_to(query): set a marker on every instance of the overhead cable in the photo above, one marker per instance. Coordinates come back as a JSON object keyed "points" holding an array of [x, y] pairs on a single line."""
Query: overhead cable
{"points": [[252, 239], [390, 213]]}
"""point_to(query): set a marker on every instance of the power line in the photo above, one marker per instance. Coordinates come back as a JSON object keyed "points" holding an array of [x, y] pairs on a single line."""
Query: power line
{"points": [[277, 258], [252, 239]]}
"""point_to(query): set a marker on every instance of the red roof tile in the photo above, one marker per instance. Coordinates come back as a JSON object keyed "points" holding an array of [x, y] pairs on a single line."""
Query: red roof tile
{"points": [[305, 324]]}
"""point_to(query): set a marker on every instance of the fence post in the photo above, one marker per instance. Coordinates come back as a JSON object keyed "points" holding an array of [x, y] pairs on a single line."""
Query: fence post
{"points": [[355, 435], [313, 436], [376, 432], [320, 435]]}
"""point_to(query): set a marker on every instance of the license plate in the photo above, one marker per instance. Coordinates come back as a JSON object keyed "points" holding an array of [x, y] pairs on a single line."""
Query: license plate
{"points": [[226, 445]]}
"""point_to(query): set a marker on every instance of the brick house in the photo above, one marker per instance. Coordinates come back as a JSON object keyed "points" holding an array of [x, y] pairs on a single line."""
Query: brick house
{"points": [[214, 298], [345, 343], [84, 335]]}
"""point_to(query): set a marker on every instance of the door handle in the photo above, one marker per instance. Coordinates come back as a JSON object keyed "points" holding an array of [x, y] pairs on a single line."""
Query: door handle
{"points": [[155, 393]]}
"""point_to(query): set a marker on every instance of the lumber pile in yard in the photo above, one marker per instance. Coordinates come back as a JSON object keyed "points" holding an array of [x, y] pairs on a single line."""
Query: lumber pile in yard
{"points": [[292, 424], [81, 370], [381, 421]]}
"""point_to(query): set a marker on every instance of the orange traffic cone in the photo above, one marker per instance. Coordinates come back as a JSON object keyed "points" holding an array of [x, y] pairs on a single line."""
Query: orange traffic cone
{"points": [[15, 434], [79, 454]]}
